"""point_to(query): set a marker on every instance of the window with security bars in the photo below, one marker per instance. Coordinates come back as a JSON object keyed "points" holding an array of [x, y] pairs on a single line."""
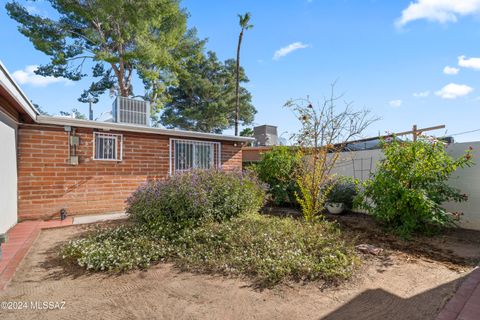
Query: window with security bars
{"points": [[107, 146], [192, 154]]}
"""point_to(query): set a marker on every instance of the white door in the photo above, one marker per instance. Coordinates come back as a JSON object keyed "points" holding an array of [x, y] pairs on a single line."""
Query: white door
{"points": [[8, 174]]}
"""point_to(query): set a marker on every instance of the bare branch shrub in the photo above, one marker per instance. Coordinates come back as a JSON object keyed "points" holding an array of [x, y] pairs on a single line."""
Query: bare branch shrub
{"points": [[325, 131]]}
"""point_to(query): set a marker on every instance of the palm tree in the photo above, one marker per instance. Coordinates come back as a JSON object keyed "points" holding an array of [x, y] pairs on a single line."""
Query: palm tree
{"points": [[244, 25]]}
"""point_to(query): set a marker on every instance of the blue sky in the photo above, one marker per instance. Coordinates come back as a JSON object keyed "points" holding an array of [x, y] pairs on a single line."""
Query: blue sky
{"points": [[387, 56]]}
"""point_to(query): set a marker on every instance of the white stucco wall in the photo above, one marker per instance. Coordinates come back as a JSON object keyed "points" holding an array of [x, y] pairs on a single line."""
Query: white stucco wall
{"points": [[8, 174], [468, 181], [360, 164]]}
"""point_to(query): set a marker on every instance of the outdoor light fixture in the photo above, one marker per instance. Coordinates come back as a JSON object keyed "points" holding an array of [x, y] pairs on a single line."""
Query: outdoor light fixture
{"points": [[63, 214]]}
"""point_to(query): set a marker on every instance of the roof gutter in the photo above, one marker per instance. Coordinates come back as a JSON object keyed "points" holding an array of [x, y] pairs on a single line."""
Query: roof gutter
{"points": [[61, 121]]}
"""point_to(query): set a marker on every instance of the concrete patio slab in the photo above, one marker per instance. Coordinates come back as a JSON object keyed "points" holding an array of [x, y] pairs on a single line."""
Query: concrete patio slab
{"points": [[99, 218]]}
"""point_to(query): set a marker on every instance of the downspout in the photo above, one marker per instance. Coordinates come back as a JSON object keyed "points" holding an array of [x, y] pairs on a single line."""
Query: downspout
{"points": [[68, 143], [74, 146]]}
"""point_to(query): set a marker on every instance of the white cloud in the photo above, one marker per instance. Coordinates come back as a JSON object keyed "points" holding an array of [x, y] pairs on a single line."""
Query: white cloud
{"points": [[421, 94], [473, 63], [282, 52], [441, 11], [395, 103], [453, 90], [450, 70], [28, 76]]}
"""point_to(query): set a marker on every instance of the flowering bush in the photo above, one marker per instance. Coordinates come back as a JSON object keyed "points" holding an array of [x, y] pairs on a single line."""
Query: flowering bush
{"points": [[115, 249], [195, 197], [409, 186], [268, 249], [208, 221]]}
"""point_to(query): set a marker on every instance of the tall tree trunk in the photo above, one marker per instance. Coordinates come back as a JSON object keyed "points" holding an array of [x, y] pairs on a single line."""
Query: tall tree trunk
{"points": [[237, 84], [122, 86]]}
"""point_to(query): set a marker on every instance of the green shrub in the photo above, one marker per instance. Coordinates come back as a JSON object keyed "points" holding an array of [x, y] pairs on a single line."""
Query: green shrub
{"points": [[195, 197], [267, 249], [206, 221], [409, 186], [276, 168], [343, 190]]}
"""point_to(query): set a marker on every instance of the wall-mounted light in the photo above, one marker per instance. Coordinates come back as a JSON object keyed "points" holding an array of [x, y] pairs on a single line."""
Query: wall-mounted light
{"points": [[63, 214]]}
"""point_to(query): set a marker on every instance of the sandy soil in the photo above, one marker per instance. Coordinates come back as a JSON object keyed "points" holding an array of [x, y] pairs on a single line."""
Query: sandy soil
{"points": [[395, 286]]}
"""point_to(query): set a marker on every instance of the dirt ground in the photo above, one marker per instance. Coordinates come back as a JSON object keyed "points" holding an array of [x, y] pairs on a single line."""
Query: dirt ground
{"points": [[409, 281], [454, 247]]}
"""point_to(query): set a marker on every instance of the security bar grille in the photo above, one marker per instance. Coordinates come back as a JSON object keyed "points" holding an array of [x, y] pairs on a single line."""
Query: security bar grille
{"points": [[192, 154], [127, 110], [107, 146]]}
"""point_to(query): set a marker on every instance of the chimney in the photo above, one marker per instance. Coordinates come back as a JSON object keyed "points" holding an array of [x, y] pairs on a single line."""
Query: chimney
{"points": [[265, 135]]}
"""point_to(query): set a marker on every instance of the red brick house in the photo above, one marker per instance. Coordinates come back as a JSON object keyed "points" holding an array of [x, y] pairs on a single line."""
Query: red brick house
{"points": [[86, 167]]}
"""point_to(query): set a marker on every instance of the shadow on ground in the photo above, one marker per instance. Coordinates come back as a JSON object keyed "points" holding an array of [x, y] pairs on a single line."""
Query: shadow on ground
{"points": [[380, 304]]}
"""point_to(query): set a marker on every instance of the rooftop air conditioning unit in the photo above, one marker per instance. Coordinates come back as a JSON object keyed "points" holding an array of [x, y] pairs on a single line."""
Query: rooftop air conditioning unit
{"points": [[131, 111]]}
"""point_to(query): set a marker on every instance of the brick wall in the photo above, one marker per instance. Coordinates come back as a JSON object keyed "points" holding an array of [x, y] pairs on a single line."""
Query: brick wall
{"points": [[47, 183], [254, 154]]}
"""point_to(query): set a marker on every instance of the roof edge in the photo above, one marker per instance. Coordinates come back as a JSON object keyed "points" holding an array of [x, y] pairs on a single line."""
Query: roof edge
{"points": [[60, 121], [16, 92]]}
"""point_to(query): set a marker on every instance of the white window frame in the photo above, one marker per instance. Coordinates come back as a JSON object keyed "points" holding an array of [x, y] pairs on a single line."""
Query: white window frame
{"points": [[118, 138], [216, 158]]}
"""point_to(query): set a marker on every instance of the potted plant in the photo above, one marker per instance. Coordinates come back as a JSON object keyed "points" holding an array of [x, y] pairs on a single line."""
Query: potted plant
{"points": [[341, 195]]}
